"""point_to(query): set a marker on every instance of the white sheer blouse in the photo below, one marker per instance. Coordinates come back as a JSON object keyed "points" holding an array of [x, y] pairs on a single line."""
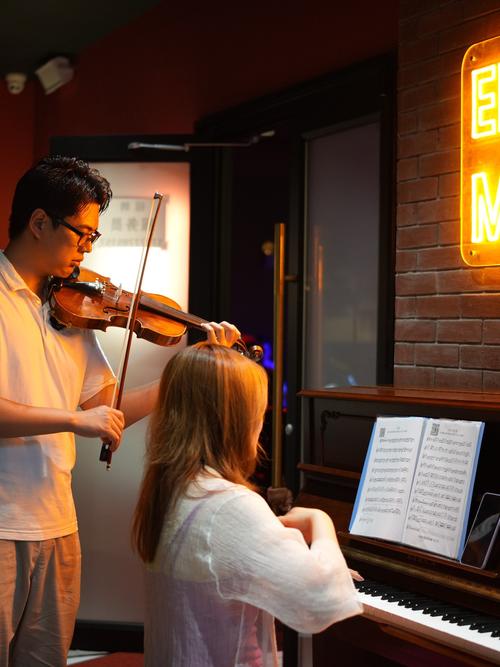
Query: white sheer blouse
{"points": [[224, 568]]}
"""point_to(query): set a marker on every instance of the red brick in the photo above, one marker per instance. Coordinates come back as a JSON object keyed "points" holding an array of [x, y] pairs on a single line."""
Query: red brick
{"points": [[407, 27], [430, 70], [404, 353], [409, 8], [410, 376], [438, 306], [439, 163], [417, 96], [480, 356], [449, 233], [435, 20], [486, 279], [470, 32], [417, 237], [479, 7], [416, 283], [449, 137], [407, 214], [491, 382], [480, 305], [449, 185], [491, 331], [415, 330], [451, 378], [417, 144], [406, 261], [439, 258], [405, 306], [448, 87], [407, 122], [459, 331], [417, 190], [462, 280], [438, 210], [417, 50], [439, 115], [436, 355], [407, 168]]}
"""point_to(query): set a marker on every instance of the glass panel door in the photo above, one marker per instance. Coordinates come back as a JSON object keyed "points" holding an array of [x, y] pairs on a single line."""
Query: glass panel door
{"points": [[342, 232]]}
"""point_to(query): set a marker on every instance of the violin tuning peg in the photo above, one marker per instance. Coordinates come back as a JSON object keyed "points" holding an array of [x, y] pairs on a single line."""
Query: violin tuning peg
{"points": [[256, 353]]}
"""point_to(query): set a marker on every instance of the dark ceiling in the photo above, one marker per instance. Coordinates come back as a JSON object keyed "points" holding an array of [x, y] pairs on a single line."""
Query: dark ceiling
{"points": [[33, 31]]}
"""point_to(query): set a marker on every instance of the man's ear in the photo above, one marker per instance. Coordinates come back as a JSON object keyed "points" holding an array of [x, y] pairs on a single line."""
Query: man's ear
{"points": [[38, 220]]}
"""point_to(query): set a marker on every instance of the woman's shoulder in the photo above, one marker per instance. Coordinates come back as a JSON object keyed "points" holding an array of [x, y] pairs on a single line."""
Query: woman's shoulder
{"points": [[217, 494]]}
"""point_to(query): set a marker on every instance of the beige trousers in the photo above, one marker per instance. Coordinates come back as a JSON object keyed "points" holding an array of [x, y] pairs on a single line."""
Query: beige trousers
{"points": [[39, 597]]}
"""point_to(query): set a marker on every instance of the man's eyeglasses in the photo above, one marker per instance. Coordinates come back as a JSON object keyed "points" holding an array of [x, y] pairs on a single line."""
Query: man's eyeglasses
{"points": [[85, 237]]}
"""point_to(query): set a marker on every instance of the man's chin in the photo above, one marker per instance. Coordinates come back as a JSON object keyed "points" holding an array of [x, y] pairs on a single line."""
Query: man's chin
{"points": [[66, 272]]}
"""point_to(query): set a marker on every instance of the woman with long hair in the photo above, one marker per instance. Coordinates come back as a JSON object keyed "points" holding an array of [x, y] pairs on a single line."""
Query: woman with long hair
{"points": [[220, 564]]}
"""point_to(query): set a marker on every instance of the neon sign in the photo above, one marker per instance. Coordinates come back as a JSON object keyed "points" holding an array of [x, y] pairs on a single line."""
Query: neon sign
{"points": [[480, 156]]}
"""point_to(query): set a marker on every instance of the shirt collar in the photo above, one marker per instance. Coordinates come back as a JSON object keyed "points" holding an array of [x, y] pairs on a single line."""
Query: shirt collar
{"points": [[10, 276]]}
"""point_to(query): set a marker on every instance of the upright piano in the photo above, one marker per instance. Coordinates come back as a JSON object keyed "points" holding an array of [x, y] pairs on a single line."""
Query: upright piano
{"points": [[401, 583]]}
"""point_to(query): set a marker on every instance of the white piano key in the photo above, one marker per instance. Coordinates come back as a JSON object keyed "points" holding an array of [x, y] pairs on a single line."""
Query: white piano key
{"points": [[432, 627]]}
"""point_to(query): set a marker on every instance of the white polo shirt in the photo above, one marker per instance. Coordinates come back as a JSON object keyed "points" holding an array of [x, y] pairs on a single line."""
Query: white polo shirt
{"points": [[43, 367]]}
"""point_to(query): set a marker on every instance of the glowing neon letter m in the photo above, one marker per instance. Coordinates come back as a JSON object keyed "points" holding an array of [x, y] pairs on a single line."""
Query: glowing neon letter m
{"points": [[485, 215]]}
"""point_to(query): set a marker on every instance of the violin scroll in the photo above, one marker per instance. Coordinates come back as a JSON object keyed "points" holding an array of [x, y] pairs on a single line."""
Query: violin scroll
{"points": [[255, 352]]}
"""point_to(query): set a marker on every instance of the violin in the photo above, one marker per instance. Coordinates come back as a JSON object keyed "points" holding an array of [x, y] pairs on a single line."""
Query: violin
{"points": [[88, 300]]}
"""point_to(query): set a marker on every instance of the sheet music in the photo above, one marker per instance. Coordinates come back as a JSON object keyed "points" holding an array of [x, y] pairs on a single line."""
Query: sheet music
{"points": [[440, 498], [384, 489]]}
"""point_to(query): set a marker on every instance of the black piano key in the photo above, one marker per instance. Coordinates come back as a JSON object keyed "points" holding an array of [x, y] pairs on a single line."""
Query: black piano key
{"points": [[466, 619], [462, 617], [487, 627], [435, 608], [407, 597], [415, 601], [481, 621], [452, 615]]}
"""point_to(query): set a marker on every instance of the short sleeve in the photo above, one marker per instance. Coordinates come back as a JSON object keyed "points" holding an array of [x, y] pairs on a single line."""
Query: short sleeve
{"points": [[98, 372], [257, 560]]}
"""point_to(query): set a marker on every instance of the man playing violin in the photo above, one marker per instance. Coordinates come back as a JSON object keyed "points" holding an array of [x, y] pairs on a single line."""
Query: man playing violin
{"points": [[53, 384]]}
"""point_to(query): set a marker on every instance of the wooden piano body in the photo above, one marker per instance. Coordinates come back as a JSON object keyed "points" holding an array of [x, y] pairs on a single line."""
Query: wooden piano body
{"points": [[337, 428]]}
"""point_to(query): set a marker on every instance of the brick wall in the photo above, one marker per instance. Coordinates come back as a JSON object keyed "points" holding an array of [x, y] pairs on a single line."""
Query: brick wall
{"points": [[447, 330]]}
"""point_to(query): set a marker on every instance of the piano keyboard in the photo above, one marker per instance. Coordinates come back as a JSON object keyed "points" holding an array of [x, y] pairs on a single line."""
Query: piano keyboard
{"points": [[459, 628]]}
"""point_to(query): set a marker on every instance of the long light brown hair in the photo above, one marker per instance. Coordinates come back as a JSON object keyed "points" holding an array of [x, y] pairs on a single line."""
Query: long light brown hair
{"points": [[209, 412]]}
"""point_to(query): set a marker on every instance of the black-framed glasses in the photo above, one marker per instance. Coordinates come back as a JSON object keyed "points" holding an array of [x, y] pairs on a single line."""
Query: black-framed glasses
{"points": [[85, 237]]}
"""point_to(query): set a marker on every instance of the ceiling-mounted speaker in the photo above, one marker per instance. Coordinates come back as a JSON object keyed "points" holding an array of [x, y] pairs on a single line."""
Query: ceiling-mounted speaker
{"points": [[55, 73]]}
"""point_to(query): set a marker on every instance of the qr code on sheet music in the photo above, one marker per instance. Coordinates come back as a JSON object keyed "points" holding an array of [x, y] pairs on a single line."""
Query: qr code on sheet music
{"points": [[435, 429]]}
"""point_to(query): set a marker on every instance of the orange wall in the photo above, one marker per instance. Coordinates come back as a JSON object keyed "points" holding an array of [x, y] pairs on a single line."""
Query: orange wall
{"points": [[181, 61]]}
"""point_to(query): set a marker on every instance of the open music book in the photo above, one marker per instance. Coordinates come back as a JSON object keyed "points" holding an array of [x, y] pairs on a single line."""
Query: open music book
{"points": [[417, 481]]}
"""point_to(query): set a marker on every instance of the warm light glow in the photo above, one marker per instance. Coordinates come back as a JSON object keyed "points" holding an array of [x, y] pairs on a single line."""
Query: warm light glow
{"points": [[485, 215], [484, 103], [480, 148]]}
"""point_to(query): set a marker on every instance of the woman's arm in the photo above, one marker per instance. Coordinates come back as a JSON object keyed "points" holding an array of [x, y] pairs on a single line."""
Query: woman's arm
{"points": [[258, 560]]}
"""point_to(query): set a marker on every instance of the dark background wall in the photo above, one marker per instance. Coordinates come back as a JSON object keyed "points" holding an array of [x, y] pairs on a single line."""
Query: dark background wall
{"points": [[181, 61], [176, 64]]}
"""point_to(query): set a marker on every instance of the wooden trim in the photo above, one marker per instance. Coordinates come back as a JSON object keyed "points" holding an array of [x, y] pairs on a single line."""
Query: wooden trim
{"points": [[328, 472], [459, 399]]}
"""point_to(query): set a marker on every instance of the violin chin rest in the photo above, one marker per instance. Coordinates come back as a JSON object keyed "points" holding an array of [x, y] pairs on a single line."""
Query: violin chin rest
{"points": [[56, 324]]}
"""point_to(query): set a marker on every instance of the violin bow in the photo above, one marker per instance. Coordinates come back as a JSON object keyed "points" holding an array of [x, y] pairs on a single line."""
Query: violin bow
{"points": [[106, 453]]}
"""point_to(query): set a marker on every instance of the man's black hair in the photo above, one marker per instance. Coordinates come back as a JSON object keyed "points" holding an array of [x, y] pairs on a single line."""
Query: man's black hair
{"points": [[61, 186]]}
